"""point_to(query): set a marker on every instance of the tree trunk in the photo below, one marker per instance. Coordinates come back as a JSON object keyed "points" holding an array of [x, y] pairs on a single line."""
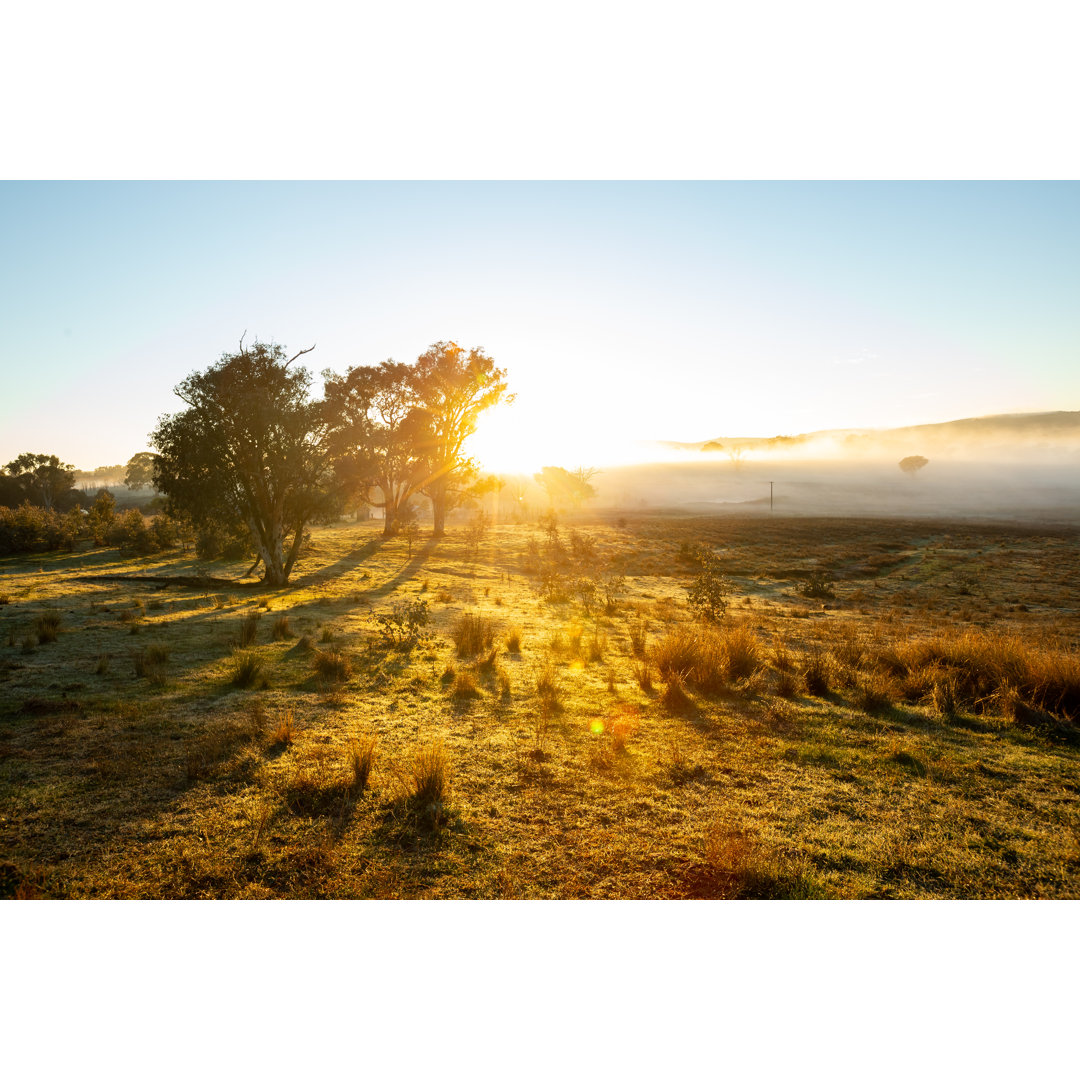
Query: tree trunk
{"points": [[438, 512], [388, 518]]}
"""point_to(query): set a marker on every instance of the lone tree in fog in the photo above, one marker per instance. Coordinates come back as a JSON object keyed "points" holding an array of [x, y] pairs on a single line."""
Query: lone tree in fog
{"points": [[453, 387], [140, 472], [43, 476], [911, 465], [563, 486], [249, 449]]}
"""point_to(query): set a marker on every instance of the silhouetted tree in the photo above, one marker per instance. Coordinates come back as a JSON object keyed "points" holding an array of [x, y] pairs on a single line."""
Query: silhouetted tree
{"points": [[140, 472], [453, 388], [44, 477], [250, 448], [368, 410], [911, 465]]}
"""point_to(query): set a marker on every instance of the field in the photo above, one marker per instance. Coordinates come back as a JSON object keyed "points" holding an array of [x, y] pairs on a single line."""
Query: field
{"points": [[889, 708]]}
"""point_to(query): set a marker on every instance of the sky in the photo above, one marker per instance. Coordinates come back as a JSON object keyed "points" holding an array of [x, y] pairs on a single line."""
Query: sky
{"points": [[623, 311]]}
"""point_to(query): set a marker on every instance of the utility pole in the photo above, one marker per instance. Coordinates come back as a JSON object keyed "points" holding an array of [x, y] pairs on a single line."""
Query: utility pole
{"points": [[770, 496]]}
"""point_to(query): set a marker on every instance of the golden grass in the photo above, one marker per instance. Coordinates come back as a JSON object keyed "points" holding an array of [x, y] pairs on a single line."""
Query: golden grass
{"points": [[473, 633]]}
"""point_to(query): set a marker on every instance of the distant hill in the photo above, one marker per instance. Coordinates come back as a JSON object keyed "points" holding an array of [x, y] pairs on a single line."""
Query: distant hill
{"points": [[980, 433]]}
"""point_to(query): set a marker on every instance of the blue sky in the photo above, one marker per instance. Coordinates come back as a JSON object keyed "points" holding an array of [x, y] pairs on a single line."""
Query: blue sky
{"points": [[622, 310]]}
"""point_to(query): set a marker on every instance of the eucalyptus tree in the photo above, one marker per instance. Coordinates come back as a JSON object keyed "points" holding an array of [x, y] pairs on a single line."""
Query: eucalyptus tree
{"points": [[250, 449]]}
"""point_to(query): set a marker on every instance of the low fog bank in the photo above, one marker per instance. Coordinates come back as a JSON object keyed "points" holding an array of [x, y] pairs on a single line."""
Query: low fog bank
{"points": [[1029, 438], [1043, 490]]}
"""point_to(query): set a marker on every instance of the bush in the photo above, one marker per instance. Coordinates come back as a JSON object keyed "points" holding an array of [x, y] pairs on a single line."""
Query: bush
{"points": [[513, 640], [472, 634], [707, 658], [405, 622], [708, 593], [280, 631], [464, 687]]}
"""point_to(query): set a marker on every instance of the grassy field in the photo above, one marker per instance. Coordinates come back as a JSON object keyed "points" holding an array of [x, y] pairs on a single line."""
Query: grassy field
{"points": [[568, 729]]}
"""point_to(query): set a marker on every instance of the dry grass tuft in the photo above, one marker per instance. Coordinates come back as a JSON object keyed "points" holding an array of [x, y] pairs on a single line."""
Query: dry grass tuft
{"points": [[815, 673], [429, 774], [513, 640], [464, 687], [281, 631], [249, 629], [643, 676], [674, 697], [639, 637], [247, 669], [150, 663], [737, 866], [473, 633], [547, 690], [284, 730], [332, 666], [47, 627], [707, 658], [362, 758]]}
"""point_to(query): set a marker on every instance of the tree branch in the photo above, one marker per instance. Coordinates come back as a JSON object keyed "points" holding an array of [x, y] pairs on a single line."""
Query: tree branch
{"points": [[299, 354]]}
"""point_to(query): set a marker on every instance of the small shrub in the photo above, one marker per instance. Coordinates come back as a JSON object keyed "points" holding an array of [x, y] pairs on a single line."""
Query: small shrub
{"points": [[639, 636], [281, 631], [443, 597], [818, 586], [405, 623], [513, 640], [327, 636], [622, 731], [362, 757], [873, 694], [708, 593], [332, 666], [102, 666], [247, 669], [473, 633], [47, 627]]}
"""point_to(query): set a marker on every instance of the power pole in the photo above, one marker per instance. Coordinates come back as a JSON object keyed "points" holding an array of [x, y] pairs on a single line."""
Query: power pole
{"points": [[770, 496]]}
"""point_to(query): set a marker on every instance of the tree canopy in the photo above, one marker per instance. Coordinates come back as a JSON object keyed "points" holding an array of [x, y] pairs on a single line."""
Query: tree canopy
{"points": [[369, 413], [911, 465], [250, 448], [140, 471], [453, 387], [42, 477], [564, 487]]}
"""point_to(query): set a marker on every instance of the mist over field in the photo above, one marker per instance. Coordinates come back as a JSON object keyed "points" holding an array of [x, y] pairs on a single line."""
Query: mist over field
{"points": [[1025, 466]]}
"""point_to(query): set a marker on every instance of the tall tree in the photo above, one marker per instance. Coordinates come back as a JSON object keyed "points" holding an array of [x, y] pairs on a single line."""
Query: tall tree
{"points": [[250, 448], [453, 388], [44, 476], [563, 486], [140, 471], [368, 410]]}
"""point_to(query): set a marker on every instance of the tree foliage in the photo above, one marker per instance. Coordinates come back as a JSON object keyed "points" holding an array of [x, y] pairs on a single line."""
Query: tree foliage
{"points": [[911, 465], [453, 387], [250, 448], [139, 472], [368, 411], [43, 478], [564, 487]]}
